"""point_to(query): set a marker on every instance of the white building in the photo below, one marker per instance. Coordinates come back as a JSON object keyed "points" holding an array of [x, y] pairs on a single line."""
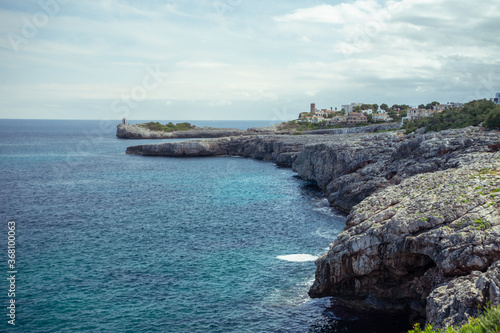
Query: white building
{"points": [[381, 117], [414, 113], [441, 107], [350, 107]]}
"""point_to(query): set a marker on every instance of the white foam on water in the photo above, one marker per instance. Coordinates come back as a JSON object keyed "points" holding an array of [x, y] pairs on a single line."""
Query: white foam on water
{"points": [[301, 257]]}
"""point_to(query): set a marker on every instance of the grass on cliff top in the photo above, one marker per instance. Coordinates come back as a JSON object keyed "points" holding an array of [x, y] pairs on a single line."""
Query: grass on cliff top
{"points": [[488, 322], [170, 127], [471, 114]]}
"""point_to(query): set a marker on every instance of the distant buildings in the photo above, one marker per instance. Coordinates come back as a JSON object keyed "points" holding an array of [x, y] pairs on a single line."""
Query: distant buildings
{"points": [[350, 107], [347, 116], [356, 117], [496, 99], [441, 107], [415, 114], [381, 117], [337, 120], [455, 105], [352, 113]]}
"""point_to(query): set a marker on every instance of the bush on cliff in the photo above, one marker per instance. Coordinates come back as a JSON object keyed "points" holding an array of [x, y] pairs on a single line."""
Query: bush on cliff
{"points": [[488, 322], [493, 120], [471, 114], [170, 127]]}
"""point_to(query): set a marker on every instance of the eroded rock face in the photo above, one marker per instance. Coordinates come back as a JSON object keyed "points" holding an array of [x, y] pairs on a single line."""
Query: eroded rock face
{"points": [[355, 166], [424, 241], [462, 297], [282, 149]]}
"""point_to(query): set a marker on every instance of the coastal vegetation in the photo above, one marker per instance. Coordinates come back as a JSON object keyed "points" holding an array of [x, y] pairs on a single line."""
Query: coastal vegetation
{"points": [[300, 126], [170, 127], [487, 322], [471, 114]]}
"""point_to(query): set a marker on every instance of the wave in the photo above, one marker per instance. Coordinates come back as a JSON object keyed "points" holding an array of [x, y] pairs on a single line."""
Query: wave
{"points": [[301, 257]]}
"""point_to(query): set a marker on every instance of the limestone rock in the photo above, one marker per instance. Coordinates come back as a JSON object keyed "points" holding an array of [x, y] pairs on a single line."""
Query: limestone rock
{"points": [[463, 297], [401, 243]]}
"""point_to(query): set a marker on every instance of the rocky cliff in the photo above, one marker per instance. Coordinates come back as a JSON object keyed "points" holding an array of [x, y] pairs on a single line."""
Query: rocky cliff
{"points": [[422, 235], [282, 149]]}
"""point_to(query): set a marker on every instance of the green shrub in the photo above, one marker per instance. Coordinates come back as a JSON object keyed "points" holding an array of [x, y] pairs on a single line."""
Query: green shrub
{"points": [[471, 114], [488, 322], [170, 127], [493, 119]]}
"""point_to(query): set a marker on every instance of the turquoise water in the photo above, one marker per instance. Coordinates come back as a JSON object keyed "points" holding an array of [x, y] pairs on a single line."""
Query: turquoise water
{"points": [[108, 242]]}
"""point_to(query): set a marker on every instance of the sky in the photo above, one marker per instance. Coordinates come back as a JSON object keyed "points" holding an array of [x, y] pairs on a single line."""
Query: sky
{"points": [[241, 59]]}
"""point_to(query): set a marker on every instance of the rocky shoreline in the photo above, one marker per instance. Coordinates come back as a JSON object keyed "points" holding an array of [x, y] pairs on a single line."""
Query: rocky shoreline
{"points": [[423, 232]]}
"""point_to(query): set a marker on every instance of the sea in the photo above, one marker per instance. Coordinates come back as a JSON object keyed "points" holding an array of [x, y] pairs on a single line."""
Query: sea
{"points": [[109, 242]]}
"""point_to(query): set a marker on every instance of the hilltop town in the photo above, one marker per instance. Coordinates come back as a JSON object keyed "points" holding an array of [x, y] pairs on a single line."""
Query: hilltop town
{"points": [[362, 113]]}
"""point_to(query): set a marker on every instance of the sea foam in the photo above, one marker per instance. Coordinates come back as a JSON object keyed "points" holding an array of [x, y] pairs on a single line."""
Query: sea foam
{"points": [[297, 257]]}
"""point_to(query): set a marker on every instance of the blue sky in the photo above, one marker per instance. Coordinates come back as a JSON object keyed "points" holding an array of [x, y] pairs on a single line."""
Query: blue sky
{"points": [[240, 59]]}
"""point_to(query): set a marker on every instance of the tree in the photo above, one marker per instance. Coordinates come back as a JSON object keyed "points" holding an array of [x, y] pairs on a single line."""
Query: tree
{"points": [[430, 105], [421, 106], [493, 119], [384, 107], [375, 107], [472, 114], [357, 108]]}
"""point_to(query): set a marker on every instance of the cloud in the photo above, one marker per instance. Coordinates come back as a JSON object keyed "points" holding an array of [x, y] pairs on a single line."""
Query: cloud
{"points": [[407, 50], [334, 14]]}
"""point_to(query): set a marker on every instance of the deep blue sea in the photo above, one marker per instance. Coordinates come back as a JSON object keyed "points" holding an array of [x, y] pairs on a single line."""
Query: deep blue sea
{"points": [[109, 242]]}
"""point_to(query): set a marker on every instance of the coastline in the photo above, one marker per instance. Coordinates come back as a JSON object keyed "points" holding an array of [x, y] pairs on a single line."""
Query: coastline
{"points": [[128, 131], [392, 256]]}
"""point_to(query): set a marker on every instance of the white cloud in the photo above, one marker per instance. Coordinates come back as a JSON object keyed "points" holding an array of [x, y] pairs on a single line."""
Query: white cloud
{"points": [[221, 103], [335, 14], [202, 64]]}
